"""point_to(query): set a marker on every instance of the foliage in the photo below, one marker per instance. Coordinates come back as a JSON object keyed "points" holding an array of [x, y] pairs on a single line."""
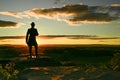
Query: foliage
{"points": [[115, 62], [8, 72], [116, 59]]}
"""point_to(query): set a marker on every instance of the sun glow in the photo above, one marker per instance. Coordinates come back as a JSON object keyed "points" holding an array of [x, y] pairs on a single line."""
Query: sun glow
{"points": [[61, 41]]}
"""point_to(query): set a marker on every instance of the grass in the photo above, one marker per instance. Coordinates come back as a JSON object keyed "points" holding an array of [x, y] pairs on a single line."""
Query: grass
{"points": [[75, 54], [88, 57]]}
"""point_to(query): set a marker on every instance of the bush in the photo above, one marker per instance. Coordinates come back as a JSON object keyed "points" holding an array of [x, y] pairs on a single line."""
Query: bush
{"points": [[8, 72], [115, 62]]}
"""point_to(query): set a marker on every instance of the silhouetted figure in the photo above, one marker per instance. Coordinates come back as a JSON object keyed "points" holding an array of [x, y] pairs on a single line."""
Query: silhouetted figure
{"points": [[31, 39]]}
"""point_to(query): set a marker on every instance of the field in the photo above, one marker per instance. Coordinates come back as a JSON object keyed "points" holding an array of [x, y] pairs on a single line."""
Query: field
{"points": [[60, 62]]}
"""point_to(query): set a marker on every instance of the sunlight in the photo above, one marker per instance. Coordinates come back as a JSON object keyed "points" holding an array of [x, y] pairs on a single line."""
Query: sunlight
{"points": [[61, 41], [69, 41], [35, 68], [13, 41]]}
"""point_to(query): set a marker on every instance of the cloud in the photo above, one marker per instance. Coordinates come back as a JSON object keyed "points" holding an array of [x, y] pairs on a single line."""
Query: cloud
{"points": [[11, 37], [73, 14], [15, 14], [4, 24], [91, 37], [115, 5], [77, 13], [58, 13], [91, 18]]}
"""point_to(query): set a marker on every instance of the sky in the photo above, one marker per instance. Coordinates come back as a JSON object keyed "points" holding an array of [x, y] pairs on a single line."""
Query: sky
{"points": [[61, 21]]}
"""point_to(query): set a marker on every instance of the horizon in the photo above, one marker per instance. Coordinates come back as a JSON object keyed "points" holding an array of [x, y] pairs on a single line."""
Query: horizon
{"points": [[62, 40], [61, 21]]}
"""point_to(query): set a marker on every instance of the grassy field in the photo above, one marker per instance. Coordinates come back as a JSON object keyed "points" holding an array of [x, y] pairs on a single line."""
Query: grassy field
{"points": [[77, 54], [56, 58]]}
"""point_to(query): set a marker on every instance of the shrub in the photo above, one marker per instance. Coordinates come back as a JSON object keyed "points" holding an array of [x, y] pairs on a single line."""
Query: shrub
{"points": [[8, 72]]}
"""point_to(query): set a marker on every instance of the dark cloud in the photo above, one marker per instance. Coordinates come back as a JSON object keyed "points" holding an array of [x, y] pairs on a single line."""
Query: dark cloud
{"points": [[65, 10], [91, 37], [68, 36], [92, 17], [8, 23], [104, 38], [73, 14], [97, 14], [111, 10], [80, 13]]}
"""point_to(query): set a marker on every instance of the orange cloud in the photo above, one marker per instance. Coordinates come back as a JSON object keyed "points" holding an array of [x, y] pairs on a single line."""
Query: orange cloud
{"points": [[15, 14], [115, 5]]}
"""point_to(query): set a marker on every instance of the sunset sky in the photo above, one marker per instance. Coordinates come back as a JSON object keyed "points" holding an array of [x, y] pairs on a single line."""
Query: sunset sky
{"points": [[61, 21]]}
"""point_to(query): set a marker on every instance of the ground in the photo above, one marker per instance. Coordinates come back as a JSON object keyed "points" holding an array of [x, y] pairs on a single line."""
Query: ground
{"points": [[62, 62]]}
